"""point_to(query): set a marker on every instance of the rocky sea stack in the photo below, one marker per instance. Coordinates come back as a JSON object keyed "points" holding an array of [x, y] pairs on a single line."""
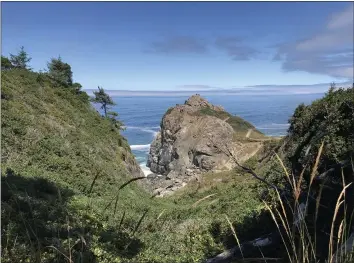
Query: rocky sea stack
{"points": [[195, 138]]}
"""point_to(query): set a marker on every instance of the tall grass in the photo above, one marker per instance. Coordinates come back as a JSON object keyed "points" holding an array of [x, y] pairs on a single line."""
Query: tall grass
{"points": [[299, 241]]}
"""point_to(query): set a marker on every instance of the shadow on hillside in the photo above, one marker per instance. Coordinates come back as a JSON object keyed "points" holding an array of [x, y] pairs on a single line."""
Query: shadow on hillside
{"points": [[318, 226], [37, 225], [252, 228]]}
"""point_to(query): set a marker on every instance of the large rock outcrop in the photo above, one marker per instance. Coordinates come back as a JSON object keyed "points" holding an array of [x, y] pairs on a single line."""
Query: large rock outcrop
{"points": [[195, 138]]}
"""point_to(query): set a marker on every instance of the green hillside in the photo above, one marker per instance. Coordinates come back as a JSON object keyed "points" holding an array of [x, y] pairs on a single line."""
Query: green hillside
{"points": [[64, 171], [62, 167], [317, 156], [240, 126], [60, 159], [329, 120]]}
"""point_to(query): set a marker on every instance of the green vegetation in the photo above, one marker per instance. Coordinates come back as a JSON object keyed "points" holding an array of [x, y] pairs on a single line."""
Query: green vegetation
{"points": [[317, 158], [240, 126], [328, 120], [5, 63], [104, 99], [308, 244], [167, 112], [61, 72], [76, 86], [21, 59], [64, 174], [62, 168]]}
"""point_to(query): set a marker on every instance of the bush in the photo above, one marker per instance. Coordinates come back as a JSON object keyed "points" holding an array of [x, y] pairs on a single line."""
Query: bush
{"points": [[6, 63], [60, 72]]}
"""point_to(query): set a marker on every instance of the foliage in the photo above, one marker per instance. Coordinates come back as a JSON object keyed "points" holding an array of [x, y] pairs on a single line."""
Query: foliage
{"points": [[53, 140], [21, 59], [104, 99], [239, 125], [169, 110], [61, 72], [77, 87], [319, 223], [6, 63], [116, 124], [62, 166], [321, 134], [330, 120]]}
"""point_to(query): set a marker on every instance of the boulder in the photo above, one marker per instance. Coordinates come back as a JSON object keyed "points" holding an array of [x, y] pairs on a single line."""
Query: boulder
{"points": [[191, 142]]}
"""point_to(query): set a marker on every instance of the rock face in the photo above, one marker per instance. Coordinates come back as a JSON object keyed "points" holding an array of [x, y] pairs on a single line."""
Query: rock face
{"points": [[190, 143]]}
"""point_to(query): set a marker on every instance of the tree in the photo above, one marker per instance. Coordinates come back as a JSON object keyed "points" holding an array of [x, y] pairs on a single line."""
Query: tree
{"points": [[5, 63], [117, 124], [104, 99], [77, 87], [21, 59], [60, 71], [332, 87]]}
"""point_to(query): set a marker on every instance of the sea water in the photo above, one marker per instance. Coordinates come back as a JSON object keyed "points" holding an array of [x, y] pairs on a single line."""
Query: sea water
{"points": [[142, 115]]}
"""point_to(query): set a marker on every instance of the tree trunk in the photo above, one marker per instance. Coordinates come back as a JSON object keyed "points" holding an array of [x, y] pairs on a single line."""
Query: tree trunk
{"points": [[105, 110]]}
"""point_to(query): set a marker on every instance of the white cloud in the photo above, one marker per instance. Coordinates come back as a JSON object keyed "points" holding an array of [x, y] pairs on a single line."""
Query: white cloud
{"points": [[342, 19], [236, 48], [329, 52]]}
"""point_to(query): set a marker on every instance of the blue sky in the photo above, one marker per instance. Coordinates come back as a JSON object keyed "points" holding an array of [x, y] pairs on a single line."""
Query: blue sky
{"points": [[186, 45]]}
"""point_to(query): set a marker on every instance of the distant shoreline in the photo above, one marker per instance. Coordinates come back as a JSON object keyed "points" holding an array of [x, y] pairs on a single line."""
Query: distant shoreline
{"points": [[127, 93]]}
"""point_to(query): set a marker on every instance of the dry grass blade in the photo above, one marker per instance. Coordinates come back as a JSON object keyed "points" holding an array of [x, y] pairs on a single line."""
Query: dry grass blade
{"points": [[338, 205], [234, 233], [318, 200], [339, 236], [314, 169], [121, 221], [163, 211], [292, 182], [281, 235], [137, 227], [140, 221], [53, 247], [93, 181], [298, 188], [343, 182], [130, 181], [202, 199], [290, 235], [120, 188], [115, 205], [263, 258], [283, 210]]}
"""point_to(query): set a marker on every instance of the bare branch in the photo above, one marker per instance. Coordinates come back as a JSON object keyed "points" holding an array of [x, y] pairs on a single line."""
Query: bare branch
{"points": [[228, 153]]}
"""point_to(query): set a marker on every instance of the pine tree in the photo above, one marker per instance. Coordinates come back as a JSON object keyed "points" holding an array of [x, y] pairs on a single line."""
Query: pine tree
{"points": [[60, 71], [104, 99], [21, 59]]}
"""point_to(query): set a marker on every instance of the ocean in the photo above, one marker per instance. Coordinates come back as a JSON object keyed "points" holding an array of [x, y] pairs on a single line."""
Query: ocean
{"points": [[142, 115]]}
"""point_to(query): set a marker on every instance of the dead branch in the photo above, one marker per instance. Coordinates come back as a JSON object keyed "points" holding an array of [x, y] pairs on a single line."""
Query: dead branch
{"points": [[246, 169]]}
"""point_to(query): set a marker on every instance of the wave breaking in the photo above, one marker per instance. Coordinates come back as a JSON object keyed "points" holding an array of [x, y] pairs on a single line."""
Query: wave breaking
{"points": [[140, 147], [145, 129]]}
